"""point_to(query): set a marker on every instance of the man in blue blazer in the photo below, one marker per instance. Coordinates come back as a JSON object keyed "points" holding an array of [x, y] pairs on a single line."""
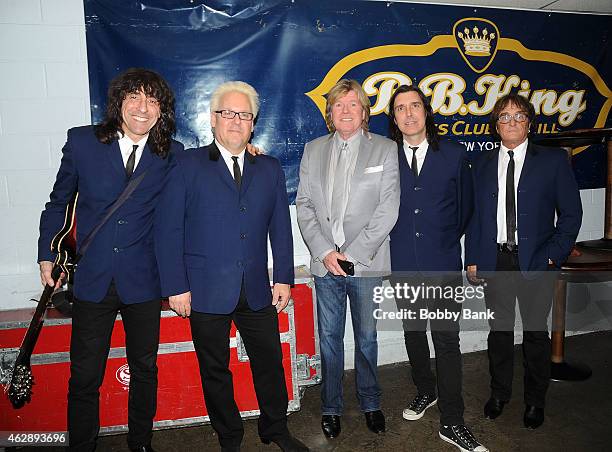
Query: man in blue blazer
{"points": [[118, 273], [435, 208], [215, 217], [513, 240]]}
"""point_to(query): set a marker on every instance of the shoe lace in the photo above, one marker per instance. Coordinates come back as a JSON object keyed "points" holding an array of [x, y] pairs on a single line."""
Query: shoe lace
{"points": [[465, 435], [419, 403]]}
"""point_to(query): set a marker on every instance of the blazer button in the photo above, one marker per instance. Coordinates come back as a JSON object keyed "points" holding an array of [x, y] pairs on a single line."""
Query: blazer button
{"points": [[243, 236], [494, 195], [243, 208], [116, 250], [417, 211], [418, 234], [121, 222], [327, 218], [417, 188]]}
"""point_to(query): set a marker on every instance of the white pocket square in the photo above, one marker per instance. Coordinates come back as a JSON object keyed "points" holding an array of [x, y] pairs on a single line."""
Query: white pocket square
{"points": [[373, 169]]}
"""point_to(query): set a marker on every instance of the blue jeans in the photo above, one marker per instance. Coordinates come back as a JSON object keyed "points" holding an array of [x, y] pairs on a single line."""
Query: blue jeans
{"points": [[331, 312]]}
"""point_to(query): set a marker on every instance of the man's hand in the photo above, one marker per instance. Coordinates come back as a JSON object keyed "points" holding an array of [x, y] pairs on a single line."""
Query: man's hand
{"points": [[331, 263], [45, 275], [472, 276], [280, 296], [181, 304], [254, 150]]}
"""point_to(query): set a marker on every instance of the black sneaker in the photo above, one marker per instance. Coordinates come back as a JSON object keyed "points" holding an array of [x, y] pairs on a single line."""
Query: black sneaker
{"points": [[417, 407], [460, 436]]}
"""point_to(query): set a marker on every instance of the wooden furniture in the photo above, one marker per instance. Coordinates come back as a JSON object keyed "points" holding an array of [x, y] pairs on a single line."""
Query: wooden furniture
{"points": [[591, 261]]}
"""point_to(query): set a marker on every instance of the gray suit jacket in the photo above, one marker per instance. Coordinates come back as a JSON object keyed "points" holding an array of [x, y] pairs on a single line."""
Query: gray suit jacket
{"points": [[371, 211]]}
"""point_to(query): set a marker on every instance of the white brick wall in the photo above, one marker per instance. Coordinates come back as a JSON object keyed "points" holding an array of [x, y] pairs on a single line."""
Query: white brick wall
{"points": [[43, 91]]}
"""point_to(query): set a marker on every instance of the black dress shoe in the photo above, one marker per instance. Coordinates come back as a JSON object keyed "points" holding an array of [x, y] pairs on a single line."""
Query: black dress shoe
{"points": [[147, 448], [330, 424], [375, 420], [287, 443], [533, 417], [493, 408]]}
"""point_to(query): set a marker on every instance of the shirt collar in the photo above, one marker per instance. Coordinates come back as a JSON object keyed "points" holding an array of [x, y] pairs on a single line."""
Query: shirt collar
{"points": [[127, 143], [227, 155], [519, 151], [351, 141], [422, 145]]}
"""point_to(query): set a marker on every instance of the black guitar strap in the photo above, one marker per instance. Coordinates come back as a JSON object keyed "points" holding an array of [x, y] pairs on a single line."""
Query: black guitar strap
{"points": [[125, 194]]}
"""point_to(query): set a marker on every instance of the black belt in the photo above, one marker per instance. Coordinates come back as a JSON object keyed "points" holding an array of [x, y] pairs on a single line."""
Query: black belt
{"points": [[507, 248]]}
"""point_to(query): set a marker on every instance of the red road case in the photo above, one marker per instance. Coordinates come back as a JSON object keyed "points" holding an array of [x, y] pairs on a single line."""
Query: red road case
{"points": [[180, 398]]}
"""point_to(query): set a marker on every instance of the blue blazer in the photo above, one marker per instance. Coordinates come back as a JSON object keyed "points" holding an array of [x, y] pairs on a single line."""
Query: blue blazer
{"points": [[546, 186], [434, 212], [214, 235], [123, 249]]}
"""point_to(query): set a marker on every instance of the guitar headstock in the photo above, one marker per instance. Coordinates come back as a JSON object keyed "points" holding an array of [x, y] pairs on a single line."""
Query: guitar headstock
{"points": [[20, 387]]}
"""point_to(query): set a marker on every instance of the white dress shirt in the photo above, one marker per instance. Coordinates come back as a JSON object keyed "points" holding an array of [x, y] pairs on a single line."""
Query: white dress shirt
{"points": [[502, 167], [227, 157], [421, 152], [126, 145]]}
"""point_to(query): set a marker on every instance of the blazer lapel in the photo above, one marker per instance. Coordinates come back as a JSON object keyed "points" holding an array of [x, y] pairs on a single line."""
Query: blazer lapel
{"points": [[114, 154], [146, 159], [326, 152], [491, 181], [221, 168], [527, 167], [365, 144], [248, 169]]}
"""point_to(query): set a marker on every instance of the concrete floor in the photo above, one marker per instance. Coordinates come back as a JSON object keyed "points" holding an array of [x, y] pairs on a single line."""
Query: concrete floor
{"points": [[578, 415]]}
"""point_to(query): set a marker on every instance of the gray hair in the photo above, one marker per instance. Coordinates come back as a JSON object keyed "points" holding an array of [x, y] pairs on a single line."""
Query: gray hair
{"points": [[235, 86]]}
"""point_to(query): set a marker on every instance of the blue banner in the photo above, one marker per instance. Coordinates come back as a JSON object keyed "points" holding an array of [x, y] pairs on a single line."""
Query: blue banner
{"points": [[292, 52]]}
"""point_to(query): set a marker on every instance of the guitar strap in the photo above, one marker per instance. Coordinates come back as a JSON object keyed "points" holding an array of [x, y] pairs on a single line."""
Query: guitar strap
{"points": [[125, 194]]}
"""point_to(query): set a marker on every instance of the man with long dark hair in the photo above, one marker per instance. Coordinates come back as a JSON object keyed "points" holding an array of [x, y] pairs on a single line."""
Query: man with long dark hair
{"points": [[436, 205], [118, 273]]}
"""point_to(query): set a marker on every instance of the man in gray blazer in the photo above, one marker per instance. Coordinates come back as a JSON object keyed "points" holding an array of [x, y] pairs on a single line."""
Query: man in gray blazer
{"points": [[347, 203]]}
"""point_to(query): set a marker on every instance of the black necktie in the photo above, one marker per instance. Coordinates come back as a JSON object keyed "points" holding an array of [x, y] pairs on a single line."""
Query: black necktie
{"points": [[510, 202], [129, 167], [237, 175], [414, 165]]}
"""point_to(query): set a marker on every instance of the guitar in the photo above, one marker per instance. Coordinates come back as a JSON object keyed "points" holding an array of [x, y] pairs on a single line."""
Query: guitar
{"points": [[63, 244]]}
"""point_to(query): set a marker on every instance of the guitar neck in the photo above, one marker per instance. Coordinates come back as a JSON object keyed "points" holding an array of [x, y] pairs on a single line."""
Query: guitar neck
{"points": [[29, 341]]}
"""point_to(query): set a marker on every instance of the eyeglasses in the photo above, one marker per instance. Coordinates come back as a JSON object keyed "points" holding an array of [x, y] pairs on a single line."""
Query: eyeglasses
{"points": [[505, 118], [229, 114]]}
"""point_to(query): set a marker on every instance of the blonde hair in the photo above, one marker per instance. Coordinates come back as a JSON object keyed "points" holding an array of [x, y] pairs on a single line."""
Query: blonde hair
{"points": [[235, 86], [340, 89]]}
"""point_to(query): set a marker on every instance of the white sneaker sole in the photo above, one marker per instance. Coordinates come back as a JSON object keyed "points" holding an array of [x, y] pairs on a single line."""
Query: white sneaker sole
{"points": [[415, 417], [450, 441]]}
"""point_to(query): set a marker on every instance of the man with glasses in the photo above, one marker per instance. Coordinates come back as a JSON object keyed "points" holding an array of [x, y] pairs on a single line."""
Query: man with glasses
{"points": [[216, 217], [513, 234]]}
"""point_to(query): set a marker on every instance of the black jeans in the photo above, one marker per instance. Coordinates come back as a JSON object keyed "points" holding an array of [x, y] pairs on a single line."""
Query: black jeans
{"points": [[92, 325], [259, 331], [445, 337], [534, 295]]}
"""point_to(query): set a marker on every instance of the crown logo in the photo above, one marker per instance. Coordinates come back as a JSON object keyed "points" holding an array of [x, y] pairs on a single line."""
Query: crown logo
{"points": [[476, 44], [476, 39]]}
